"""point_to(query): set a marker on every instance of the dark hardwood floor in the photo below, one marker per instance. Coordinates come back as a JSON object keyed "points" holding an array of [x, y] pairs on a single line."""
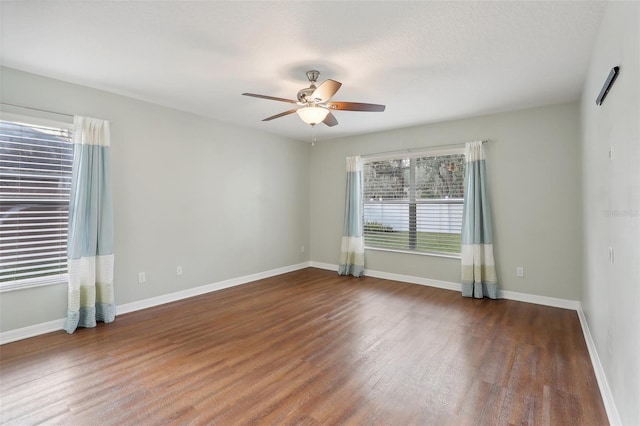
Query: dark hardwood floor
{"points": [[310, 348]]}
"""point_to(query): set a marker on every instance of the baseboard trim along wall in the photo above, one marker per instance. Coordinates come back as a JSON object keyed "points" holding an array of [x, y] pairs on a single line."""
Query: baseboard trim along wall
{"points": [[603, 384], [57, 325], [31, 331], [447, 285], [196, 291], [605, 391]]}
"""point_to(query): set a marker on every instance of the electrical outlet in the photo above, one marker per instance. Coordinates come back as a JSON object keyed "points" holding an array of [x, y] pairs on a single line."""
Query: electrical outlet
{"points": [[142, 277], [520, 272], [612, 255], [302, 249], [179, 271]]}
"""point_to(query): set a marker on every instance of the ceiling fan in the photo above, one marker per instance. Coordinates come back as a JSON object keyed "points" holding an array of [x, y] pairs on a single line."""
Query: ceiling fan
{"points": [[314, 103]]}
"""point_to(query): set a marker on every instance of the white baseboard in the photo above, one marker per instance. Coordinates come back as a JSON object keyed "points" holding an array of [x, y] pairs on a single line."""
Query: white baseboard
{"points": [[601, 377], [56, 325], [31, 331], [196, 291], [395, 277], [34, 330], [605, 391], [448, 285], [539, 300], [327, 266]]}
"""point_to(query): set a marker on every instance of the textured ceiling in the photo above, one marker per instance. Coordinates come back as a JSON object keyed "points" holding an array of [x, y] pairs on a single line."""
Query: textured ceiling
{"points": [[427, 61]]}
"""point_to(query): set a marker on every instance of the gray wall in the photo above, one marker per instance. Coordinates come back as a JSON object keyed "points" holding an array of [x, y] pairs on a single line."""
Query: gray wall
{"points": [[224, 202], [221, 201], [534, 172], [611, 206]]}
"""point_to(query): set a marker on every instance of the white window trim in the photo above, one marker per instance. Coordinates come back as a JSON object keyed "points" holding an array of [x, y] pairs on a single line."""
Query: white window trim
{"points": [[48, 280], [35, 121], [414, 153], [417, 253], [34, 282]]}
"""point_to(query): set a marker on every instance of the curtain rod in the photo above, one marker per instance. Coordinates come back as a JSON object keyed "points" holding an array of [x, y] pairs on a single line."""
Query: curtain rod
{"points": [[37, 109], [411, 150]]}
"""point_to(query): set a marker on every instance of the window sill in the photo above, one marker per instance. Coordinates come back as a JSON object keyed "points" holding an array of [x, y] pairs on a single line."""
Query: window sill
{"points": [[32, 283], [419, 253]]}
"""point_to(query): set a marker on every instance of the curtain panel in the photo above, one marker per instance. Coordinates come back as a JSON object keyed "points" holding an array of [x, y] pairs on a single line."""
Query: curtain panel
{"points": [[478, 267], [90, 242], [352, 250]]}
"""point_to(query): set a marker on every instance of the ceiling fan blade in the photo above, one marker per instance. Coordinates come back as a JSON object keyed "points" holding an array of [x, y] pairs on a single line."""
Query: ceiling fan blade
{"points": [[282, 114], [330, 120], [291, 101], [355, 106], [326, 90]]}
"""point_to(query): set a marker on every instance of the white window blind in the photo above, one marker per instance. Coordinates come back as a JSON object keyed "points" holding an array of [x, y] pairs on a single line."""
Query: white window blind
{"points": [[414, 203], [35, 180]]}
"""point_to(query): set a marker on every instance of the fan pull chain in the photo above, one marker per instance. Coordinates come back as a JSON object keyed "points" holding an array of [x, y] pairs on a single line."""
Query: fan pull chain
{"points": [[313, 136]]}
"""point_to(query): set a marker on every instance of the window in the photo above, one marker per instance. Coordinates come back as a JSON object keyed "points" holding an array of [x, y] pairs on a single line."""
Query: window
{"points": [[414, 203], [35, 181]]}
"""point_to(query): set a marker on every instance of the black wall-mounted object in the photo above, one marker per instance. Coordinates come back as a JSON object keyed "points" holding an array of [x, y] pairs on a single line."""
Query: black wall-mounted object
{"points": [[607, 85]]}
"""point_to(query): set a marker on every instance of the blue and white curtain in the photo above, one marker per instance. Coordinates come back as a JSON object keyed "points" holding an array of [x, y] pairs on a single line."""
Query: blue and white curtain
{"points": [[478, 267], [352, 251], [90, 241]]}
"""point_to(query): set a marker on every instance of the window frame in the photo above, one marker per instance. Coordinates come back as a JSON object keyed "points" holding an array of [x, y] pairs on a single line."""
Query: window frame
{"points": [[422, 153], [38, 121]]}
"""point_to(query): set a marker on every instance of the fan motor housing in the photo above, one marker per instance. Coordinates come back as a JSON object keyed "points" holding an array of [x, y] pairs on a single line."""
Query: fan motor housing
{"points": [[304, 95]]}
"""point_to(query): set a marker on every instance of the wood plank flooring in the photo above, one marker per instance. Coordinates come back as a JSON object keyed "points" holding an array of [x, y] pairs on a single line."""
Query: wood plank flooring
{"points": [[310, 348]]}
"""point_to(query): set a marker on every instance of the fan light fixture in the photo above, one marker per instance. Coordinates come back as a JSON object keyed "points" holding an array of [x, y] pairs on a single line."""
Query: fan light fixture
{"points": [[312, 115]]}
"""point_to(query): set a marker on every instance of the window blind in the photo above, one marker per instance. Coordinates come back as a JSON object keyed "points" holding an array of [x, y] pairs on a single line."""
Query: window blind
{"points": [[35, 180], [414, 203]]}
